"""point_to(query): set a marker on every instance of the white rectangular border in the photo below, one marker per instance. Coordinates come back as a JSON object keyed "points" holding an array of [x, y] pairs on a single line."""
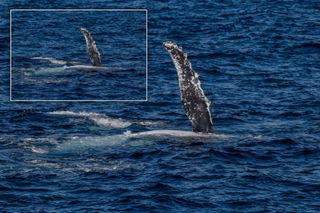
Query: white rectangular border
{"points": [[74, 10]]}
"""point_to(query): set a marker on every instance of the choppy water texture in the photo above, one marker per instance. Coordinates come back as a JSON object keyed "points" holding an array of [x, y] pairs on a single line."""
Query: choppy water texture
{"points": [[259, 65]]}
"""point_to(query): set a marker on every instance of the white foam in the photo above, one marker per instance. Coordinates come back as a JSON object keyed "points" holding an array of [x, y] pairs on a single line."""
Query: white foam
{"points": [[51, 60], [150, 123], [98, 119], [38, 150]]}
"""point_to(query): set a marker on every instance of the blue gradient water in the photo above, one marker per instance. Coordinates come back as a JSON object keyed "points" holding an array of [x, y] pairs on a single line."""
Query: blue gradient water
{"points": [[259, 65]]}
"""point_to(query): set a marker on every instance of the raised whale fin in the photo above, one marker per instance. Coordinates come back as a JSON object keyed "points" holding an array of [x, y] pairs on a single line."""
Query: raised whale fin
{"points": [[93, 52], [195, 103]]}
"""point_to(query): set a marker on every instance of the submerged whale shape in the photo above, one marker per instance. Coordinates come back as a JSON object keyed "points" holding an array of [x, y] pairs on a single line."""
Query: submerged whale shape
{"points": [[195, 103], [93, 52], [85, 68]]}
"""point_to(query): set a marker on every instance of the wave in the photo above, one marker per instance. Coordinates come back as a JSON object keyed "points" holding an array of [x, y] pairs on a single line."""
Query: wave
{"points": [[90, 165], [38, 150], [103, 120], [98, 119], [51, 60]]}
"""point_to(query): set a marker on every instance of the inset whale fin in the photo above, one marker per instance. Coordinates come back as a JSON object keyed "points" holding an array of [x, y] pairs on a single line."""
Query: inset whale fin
{"points": [[93, 52], [195, 103]]}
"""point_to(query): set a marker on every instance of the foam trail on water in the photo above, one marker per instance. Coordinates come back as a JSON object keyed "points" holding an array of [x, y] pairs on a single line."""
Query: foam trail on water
{"points": [[51, 60], [103, 120], [98, 119]]}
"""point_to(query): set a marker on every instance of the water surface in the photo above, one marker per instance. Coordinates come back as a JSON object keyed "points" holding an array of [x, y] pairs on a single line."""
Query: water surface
{"points": [[259, 65]]}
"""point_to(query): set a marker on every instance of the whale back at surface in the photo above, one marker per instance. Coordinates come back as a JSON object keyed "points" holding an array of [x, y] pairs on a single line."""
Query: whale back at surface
{"points": [[93, 52], [195, 103]]}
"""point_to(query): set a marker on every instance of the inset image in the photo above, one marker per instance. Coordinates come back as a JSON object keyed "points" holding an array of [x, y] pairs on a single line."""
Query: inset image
{"points": [[78, 55]]}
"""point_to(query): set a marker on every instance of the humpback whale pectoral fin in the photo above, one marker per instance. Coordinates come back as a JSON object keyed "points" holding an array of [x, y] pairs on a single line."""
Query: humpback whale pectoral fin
{"points": [[93, 52], [195, 103]]}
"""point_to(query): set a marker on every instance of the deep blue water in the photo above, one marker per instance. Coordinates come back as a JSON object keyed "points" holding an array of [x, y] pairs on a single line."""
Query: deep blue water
{"points": [[258, 63]]}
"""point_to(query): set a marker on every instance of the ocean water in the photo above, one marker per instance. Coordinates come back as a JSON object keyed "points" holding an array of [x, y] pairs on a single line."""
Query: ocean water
{"points": [[49, 54], [258, 63]]}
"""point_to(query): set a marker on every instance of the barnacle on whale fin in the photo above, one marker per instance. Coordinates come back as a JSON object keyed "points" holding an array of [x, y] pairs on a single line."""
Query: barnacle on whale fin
{"points": [[93, 52], [195, 103]]}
